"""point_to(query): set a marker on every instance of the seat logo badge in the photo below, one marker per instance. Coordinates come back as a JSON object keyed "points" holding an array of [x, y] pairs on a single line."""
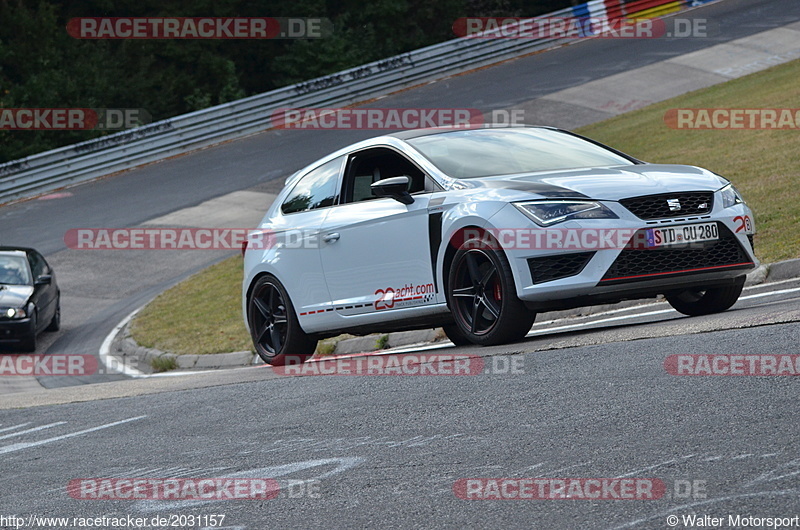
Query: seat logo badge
{"points": [[674, 205]]}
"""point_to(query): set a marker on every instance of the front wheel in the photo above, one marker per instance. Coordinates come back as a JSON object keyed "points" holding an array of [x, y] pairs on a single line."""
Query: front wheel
{"points": [[695, 302], [55, 323], [483, 298], [274, 328], [456, 336], [28, 344]]}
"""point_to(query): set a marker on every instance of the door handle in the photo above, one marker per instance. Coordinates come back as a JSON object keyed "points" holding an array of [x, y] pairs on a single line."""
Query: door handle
{"points": [[331, 238]]}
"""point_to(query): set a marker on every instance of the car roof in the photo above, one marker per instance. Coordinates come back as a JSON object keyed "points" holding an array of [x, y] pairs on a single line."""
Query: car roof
{"points": [[416, 133], [15, 250]]}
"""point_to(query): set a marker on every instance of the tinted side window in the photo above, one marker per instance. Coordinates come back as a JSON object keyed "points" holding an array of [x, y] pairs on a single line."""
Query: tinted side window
{"points": [[317, 189], [38, 265], [372, 165]]}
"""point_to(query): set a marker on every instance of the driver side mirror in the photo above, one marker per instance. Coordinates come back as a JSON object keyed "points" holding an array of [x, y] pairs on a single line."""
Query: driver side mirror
{"points": [[395, 188], [44, 279]]}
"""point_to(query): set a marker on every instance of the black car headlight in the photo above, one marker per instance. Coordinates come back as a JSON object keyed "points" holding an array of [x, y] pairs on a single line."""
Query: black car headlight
{"points": [[14, 312], [547, 213], [730, 197]]}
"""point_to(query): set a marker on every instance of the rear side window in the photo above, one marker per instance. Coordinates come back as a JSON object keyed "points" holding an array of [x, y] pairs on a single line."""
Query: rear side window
{"points": [[318, 189]]}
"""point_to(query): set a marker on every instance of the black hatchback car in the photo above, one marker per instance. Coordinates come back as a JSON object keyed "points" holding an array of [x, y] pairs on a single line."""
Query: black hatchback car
{"points": [[30, 300]]}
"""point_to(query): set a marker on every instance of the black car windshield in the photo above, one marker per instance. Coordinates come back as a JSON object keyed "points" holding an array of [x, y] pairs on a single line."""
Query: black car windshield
{"points": [[488, 152], [14, 271]]}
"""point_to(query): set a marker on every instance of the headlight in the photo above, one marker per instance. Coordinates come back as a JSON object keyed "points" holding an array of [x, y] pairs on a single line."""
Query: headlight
{"points": [[546, 213], [730, 197], [14, 313]]}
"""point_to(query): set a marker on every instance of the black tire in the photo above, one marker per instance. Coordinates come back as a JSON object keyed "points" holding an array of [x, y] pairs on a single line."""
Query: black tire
{"points": [[28, 344], [276, 333], [455, 335], [55, 323], [482, 296], [696, 302]]}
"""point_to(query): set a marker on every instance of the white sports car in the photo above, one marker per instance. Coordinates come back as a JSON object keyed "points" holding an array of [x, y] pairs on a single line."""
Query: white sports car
{"points": [[477, 230]]}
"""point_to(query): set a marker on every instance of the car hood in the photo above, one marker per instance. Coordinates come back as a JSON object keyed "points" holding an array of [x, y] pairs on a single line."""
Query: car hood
{"points": [[14, 295], [611, 183]]}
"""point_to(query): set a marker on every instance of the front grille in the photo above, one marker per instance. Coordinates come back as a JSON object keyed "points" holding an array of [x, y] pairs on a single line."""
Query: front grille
{"points": [[657, 207], [635, 264], [752, 242], [551, 268]]}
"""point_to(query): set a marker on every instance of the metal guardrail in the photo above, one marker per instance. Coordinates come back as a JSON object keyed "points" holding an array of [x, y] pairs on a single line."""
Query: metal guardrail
{"points": [[156, 141]]}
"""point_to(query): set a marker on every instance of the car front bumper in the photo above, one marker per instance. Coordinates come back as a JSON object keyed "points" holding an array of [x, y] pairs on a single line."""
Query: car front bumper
{"points": [[12, 331], [575, 276]]}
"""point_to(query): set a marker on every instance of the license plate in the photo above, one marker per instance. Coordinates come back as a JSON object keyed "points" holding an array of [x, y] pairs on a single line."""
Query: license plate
{"points": [[682, 235]]}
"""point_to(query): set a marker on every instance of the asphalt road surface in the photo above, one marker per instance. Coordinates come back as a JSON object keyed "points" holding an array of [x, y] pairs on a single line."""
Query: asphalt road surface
{"points": [[592, 402], [103, 287], [588, 399]]}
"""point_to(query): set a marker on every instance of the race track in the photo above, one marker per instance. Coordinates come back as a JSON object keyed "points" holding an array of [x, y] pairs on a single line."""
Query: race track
{"points": [[592, 397]]}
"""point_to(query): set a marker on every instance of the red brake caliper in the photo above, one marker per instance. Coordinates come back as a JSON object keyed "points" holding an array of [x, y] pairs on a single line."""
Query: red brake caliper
{"points": [[498, 294]]}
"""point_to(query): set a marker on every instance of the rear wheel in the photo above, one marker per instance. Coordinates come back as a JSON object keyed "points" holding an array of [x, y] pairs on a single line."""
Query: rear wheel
{"points": [[695, 302], [274, 328], [483, 298]]}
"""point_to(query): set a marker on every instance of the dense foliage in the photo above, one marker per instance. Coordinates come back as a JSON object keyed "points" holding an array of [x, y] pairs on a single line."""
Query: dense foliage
{"points": [[41, 66]]}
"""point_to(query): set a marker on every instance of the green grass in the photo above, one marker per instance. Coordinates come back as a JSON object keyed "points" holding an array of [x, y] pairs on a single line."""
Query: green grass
{"points": [[203, 315], [382, 342], [763, 165], [200, 315], [163, 364]]}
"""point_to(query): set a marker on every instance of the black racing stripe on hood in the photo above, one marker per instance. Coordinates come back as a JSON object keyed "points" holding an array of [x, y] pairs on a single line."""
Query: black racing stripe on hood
{"points": [[540, 188]]}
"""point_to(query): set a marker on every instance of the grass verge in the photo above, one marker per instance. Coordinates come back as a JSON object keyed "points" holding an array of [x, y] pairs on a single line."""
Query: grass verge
{"points": [[203, 315], [200, 315]]}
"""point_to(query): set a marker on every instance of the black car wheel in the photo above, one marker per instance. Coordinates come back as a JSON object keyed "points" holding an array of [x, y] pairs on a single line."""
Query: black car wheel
{"points": [[276, 333], [456, 336], [482, 296], [55, 323], [29, 342], [695, 302]]}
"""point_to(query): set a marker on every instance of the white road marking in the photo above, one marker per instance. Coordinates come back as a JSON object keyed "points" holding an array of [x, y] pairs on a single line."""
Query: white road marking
{"points": [[114, 365], [770, 293], [28, 445], [553, 472], [655, 304], [111, 363], [601, 321], [656, 466], [649, 313], [15, 427], [26, 431], [342, 464]]}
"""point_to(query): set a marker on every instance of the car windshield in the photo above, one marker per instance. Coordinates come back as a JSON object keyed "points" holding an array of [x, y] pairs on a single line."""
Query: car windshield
{"points": [[490, 152], [14, 271]]}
